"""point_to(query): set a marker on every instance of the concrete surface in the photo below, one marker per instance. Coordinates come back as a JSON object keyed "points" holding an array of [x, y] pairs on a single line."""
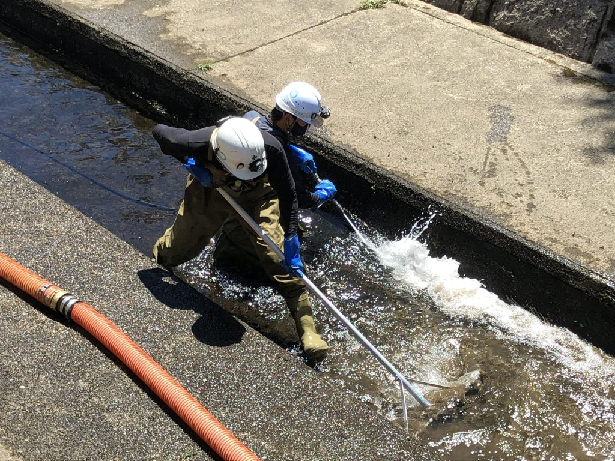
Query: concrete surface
{"points": [[501, 131], [516, 139], [63, 396]]}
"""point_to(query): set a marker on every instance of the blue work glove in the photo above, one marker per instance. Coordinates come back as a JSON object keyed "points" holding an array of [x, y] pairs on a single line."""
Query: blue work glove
{"points": [[199, 172], [292, 260], [305, 160], [326, 190]]}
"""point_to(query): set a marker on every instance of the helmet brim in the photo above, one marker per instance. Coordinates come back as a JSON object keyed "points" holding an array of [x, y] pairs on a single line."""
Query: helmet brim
{"points": [[213, 139]]}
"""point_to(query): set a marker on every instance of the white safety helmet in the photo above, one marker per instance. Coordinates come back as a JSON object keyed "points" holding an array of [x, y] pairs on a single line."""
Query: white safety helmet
{"points": [[239, 146], [301, 100]]}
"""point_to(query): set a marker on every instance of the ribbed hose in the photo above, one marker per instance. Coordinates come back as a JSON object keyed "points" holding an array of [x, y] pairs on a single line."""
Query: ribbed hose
{"points": [[218, 437]]}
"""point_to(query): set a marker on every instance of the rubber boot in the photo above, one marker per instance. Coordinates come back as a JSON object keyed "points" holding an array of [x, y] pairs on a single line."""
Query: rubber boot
{"points": [[314, 347]]}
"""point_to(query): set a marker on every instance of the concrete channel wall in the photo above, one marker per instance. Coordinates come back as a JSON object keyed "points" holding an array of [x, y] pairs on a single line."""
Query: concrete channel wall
{"points": [[582, 30], [561, 290]]}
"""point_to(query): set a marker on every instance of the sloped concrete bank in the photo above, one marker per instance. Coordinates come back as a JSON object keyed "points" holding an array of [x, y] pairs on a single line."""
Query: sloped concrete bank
{"points": [[519, 271]]}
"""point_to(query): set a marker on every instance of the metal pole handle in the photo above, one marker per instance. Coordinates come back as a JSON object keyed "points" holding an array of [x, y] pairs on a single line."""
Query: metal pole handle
{"points": [[355, 332]]}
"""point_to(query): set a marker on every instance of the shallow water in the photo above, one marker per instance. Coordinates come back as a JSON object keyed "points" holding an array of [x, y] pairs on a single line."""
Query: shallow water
{"points": [[543, 393]]}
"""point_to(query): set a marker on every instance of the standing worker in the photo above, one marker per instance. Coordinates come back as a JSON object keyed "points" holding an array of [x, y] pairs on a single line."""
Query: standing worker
{"points": [[297, 107], [250, 165]]}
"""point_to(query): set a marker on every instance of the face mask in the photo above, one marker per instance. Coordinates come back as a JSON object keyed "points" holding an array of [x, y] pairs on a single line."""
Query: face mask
{"points": [[298, 130]]}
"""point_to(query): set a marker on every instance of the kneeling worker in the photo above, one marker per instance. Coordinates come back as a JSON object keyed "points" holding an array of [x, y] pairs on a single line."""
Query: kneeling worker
{"points": [[251, 166]]}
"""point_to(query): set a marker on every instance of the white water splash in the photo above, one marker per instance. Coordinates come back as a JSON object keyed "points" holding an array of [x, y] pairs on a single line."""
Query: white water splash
{"points": [[467, 298]]}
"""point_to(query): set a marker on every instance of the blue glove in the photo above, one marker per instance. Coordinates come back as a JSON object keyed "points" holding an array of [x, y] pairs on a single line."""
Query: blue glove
{"points": [[292, 260], [326, 190], [304, 159], [201, 173]]}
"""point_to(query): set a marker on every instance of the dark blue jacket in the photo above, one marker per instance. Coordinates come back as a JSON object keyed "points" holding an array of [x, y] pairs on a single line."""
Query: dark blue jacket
{"points": [[306, 198]]}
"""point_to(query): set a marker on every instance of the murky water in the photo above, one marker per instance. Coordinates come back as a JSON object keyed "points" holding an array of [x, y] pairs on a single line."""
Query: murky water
{"points": [[543, 394], [91, 150]]}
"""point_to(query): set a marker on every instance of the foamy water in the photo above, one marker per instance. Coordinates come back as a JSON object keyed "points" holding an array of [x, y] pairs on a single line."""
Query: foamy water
{"points": [[467, 298]]}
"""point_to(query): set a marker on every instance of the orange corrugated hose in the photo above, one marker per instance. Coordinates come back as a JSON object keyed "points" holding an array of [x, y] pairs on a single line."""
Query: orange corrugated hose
{"points": [[218, 437]]}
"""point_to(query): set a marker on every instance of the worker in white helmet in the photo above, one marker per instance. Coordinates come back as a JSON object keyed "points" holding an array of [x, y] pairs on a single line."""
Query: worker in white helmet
{"points": [[297, 108], [235, 155]]}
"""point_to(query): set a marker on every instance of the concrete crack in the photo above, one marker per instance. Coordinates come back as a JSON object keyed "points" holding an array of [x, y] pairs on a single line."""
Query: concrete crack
{"points": [[297, 32]]}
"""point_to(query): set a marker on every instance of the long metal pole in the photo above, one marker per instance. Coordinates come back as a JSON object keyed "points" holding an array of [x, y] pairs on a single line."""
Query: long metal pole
{"points": [[353, 227], [356, 333], [343, 212]]}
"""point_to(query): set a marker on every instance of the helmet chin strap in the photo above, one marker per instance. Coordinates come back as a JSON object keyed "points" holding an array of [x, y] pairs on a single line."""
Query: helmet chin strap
{"points": [[289, 129]]}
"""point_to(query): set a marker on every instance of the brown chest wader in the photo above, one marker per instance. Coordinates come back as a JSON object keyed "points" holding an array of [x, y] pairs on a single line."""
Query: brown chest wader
{"points": [[232, 248], [201, 215]]}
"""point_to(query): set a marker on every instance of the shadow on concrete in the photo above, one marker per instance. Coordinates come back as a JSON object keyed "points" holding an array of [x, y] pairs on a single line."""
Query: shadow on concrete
{"points": [[607, 108], [602, 104], [602, 107], [215, 327], [605, 104]]}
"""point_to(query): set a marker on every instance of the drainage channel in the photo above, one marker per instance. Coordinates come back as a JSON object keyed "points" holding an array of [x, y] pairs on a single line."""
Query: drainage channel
{"points": [[514, 386]]}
